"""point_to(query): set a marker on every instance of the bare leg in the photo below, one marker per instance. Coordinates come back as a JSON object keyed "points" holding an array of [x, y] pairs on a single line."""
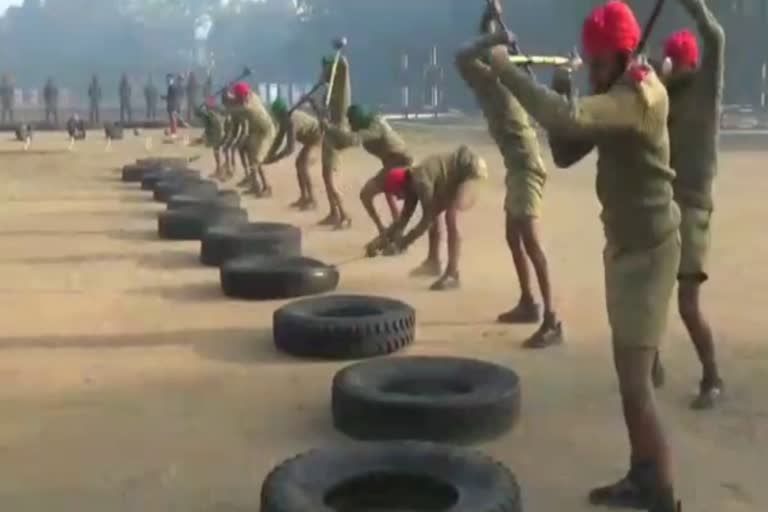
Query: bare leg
{"points": [[432, 267], [334, 214], [550, 332], [393, 209], [526, 311], [266, 189], [701, 335], [650, 475], [450, 279]]}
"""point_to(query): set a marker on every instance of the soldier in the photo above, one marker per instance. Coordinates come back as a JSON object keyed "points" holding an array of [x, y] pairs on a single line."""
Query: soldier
{"points": [[695, 93], [94, 99], [259, 133], [511, 129], [302, 128], [214, 121], [172, 103], [443, 186], [234, 134], [381, 141], [340, 99], [626, 120], [51, 99], [192, 94], [7, 97], [126, 91], [151, 95], [208, 86]]}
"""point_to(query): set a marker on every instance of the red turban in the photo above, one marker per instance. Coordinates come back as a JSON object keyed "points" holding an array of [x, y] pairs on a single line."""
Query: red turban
{"points": [[682, 48], [241, 90], [394, 184], [611, 28]]}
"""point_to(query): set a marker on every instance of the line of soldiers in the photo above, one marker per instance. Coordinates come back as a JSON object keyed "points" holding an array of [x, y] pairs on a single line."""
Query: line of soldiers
{"points": [[8, 100], [191, 91], [655, 130]]}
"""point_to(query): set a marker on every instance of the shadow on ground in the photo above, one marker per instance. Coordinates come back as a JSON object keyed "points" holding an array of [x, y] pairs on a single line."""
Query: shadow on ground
{"points": [[234, 345]]}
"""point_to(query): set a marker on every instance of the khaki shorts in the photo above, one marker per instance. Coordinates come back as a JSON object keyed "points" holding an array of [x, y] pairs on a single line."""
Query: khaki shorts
{"points": [[525, 194], [695, 239], [330, 157], [257, 146], [638, 288]]}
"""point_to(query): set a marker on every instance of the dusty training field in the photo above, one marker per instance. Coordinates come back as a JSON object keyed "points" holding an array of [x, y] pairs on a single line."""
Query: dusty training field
{"points": [[129, 383]]}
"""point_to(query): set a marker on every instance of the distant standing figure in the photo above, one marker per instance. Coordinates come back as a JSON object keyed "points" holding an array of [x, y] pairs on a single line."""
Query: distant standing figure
{"points": [[172, 102], [51, 98], [7, 98], [208, 86], [126, 112], [151, 95], [94, 98], [193, 89]]}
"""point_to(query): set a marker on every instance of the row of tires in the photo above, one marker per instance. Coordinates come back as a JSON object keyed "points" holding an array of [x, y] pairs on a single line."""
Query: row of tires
{"points": [[406, 404], [257, 260]]}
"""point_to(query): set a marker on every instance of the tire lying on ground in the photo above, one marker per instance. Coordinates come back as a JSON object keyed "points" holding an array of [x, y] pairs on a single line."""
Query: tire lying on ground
{"points": [[222, 198], [264, 277], [152, 178], [165, 189], [171, 162], [391, 476], [222, 243], [343, 327], [426, 398], [135, 173], [191, 223]]}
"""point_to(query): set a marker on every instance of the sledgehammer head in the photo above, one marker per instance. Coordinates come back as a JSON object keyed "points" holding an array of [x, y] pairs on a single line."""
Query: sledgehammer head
{"points": [[339, 43]]}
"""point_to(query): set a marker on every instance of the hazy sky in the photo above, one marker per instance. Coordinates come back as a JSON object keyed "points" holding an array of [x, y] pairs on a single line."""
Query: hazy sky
{"points": [[4, 4]]}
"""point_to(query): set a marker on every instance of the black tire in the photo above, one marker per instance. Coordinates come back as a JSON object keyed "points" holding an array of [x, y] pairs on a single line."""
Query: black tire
{"points": [[191, 223], [173, 163], [153, 178], [224, 198], [196, 187], [427, 398], [391, 476], [223, 243], [344, 327], [135, 173], [265, 278]]}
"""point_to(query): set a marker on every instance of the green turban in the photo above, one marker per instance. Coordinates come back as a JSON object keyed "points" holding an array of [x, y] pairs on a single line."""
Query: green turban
{"points": [[359, 118], [279, 107]]}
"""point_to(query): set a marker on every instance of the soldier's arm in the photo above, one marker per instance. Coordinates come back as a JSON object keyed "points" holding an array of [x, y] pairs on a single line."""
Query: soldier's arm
{"points": [[395, 231], [342, 138], [585, 118], [424, 194], [286, 132], [713, 36]]}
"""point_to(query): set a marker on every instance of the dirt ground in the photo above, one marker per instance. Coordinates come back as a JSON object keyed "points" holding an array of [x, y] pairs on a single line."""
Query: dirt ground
{"points": [[128, 383]]}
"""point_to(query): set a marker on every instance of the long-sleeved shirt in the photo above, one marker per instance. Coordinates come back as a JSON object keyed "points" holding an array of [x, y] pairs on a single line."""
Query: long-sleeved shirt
{"points": [[694, 115], [628, 125], [508, 123], [379, 139]]}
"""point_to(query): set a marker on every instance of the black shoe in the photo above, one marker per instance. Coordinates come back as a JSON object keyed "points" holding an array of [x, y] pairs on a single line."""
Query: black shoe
{"points": [[548, 335], [626, 493], [664, 501], [523, 313]]}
